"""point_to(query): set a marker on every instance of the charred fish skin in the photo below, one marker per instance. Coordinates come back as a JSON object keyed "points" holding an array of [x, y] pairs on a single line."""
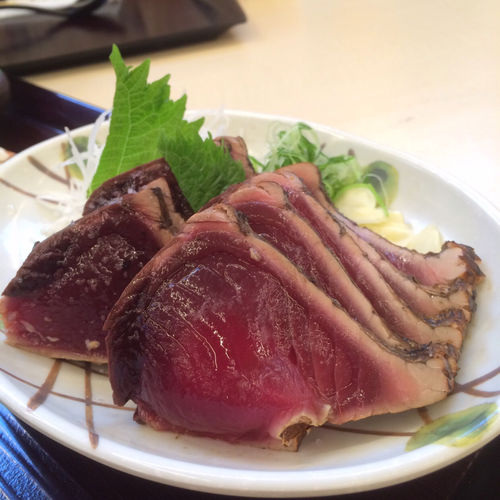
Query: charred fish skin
{"points": [[133, 181], [57, 302]]}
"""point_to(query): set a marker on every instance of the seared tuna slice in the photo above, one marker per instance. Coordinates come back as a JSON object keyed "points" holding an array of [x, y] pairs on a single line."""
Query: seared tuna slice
{"points": [[57, 303], [439, 304], [269, 214], [363, 273], [136, 179], [221, 335], [237, 148], [310, 175], [453, 268]]}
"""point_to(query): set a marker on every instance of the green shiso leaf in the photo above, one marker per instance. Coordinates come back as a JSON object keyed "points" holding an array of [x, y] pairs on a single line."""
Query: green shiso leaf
{"points": [[146, 124], [203, 173]]}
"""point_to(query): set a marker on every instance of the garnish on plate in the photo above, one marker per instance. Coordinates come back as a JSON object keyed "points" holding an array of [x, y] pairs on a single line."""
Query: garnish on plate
{"points": [[147, 124], [362, 193]]}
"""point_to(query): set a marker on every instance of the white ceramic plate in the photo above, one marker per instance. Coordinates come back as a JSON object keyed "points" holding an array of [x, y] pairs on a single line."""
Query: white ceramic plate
{"points": [[364, 455]]}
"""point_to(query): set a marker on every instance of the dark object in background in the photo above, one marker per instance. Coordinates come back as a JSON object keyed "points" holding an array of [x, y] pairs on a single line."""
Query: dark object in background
{"points": [[38, 42], [4, 90], [78, 8]]}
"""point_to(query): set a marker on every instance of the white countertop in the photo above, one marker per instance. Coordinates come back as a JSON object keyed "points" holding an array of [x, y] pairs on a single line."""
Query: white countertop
{"points": [[422, 77]]}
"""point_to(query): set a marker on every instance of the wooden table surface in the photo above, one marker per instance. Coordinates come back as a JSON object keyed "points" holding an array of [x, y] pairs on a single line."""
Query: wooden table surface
{"points": [[421, 77]]}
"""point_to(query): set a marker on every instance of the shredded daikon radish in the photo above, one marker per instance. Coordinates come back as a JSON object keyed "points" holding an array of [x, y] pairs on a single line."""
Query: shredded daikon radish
{"points": [[68, 205]]}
